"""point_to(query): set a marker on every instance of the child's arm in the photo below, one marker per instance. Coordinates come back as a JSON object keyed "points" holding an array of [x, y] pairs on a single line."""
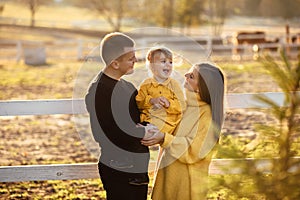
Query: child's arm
{"points": [[143, 98]]}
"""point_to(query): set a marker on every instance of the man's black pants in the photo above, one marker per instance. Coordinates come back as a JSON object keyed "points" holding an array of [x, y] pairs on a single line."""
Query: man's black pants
{"points": [[117, 187]]}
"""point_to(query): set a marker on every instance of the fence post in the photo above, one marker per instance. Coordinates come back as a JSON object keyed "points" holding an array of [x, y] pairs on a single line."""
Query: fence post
{"points": [[287, 39], [80, 49], [34, 53], [209, 44], [19, 51]]}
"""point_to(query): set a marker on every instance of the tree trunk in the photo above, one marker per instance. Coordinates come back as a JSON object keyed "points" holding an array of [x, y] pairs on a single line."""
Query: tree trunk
{"points": [[32, 23]]}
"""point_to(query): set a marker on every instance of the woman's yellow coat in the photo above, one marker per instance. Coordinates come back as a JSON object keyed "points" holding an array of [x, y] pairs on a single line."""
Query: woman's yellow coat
{"points": [[183, 171]]}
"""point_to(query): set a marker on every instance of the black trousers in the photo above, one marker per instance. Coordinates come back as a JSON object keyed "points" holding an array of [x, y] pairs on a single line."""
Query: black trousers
{"points": [[117, 187]]}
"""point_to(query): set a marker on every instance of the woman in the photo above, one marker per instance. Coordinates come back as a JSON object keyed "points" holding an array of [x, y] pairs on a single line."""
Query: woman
{"points": [[184, 166]]}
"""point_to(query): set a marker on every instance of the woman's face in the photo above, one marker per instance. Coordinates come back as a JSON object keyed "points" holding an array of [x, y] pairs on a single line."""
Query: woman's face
{"points": [[191, 80]]}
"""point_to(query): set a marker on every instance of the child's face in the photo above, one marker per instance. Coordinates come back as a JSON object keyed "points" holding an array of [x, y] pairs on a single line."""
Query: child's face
{"points": [[162, 66]]}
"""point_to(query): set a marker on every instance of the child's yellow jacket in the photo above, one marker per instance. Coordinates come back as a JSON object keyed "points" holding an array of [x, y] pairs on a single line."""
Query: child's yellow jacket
{"points": [[166, 119]]}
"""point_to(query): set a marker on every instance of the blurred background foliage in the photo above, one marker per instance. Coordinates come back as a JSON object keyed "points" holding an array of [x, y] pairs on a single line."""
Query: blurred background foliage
{"points": [[274, 174], [168, 13]]}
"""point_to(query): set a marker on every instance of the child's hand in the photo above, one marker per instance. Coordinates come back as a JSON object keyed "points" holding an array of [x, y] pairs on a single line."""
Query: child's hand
{"points": [[164, 102], [160, 102], [156, 103]]}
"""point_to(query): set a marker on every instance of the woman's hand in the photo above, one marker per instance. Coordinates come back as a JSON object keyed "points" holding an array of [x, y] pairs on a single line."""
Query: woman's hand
{"points": [[156, 138]]}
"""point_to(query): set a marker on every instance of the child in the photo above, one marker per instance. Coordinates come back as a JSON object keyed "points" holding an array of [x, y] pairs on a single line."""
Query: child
{"points": [[160, 98]]}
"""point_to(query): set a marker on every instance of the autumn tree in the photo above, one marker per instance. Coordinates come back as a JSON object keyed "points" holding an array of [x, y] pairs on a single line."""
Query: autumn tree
{"points": [[251, 7], [189, 12], [168, 12], [158, 12], [217, 15], [33, 6], [113, 11]]}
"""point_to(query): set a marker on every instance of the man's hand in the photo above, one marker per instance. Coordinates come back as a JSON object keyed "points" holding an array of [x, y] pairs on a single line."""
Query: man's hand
{"points": [[156, 138], [150, 130]]}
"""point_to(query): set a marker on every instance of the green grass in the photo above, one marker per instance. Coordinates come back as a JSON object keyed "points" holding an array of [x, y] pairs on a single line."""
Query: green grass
{"points": [[51, 81], [56, 80], [243, 67]]}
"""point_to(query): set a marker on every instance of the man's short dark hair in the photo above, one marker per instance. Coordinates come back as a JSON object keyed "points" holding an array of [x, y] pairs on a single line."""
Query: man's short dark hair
{"points": [[114, 45]]}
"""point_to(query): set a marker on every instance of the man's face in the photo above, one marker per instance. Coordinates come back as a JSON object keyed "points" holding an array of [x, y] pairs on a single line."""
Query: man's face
{"points": [[126, 63]]}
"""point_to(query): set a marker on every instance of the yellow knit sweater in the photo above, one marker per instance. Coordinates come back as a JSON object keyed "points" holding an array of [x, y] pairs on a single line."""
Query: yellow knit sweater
{"points": [[184, 167]]}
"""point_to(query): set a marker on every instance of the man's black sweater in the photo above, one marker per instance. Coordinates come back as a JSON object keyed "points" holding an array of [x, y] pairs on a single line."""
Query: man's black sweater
{"points": [[114, 115]]}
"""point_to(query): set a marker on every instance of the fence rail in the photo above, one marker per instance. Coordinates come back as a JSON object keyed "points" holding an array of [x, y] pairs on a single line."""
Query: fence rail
{"points": [[67, 49], [80, 49], [77, 106], [89, 170]]}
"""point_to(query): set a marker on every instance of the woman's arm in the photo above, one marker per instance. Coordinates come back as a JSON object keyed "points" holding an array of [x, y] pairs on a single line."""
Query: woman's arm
{"points": [[192, 146], [177, 103], [187, 148]]}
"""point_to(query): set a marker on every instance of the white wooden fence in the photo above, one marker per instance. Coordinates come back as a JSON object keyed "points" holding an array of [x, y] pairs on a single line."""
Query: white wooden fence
{"points": [[81, 49], [89, 170], [66, 50]]}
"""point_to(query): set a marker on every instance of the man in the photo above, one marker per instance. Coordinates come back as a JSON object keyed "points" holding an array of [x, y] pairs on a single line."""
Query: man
{"points": [[114, 118]]}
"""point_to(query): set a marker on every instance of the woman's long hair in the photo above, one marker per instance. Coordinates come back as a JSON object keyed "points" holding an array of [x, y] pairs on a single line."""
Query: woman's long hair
{"points": [[212, 91]]}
